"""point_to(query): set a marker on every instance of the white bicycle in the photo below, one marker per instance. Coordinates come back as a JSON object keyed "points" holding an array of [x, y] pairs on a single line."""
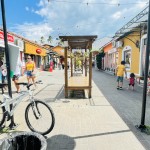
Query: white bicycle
{"points": [[38, 115]]}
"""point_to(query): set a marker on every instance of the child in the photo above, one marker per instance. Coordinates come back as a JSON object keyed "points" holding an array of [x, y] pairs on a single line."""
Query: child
{"points": [[120, 70], [131, 80]]}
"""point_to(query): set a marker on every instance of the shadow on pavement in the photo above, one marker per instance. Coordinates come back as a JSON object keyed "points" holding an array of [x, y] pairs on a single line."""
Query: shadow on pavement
{"points": [[50, 96], [101, 134], [59, 142]]}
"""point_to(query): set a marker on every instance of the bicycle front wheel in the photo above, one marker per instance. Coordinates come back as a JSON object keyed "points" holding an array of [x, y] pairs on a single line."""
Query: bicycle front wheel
{"points": [[2, 115], [39, 117]]}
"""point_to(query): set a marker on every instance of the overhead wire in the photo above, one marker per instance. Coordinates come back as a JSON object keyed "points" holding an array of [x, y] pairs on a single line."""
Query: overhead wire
{"points": [[96, 3]]}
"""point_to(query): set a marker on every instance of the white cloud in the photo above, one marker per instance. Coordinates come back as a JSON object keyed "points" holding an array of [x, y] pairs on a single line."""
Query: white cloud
{"points": [[80, 19], [27, 8], [117, 15], [34, 31]]}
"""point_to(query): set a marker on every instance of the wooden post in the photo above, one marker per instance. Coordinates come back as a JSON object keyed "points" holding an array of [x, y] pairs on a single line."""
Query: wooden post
{"points": [[85, 64], [71, 65], [66, 73], [90, 70], [82, 66], [75, 63]]}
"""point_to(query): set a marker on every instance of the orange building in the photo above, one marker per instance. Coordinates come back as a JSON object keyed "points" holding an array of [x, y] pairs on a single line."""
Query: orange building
{"points": [[111, 57]]}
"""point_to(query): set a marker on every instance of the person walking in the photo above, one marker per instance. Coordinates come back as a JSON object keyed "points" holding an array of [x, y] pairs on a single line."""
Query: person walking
{"points": [[18, 72], [63, 65], [30, 68], [131, 81], [120, 70]]}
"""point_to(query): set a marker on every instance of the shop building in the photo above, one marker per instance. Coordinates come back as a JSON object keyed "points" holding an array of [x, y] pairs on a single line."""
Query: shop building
{"points": [[111, 56], [130, 42], [14, 51], [37, 52]]}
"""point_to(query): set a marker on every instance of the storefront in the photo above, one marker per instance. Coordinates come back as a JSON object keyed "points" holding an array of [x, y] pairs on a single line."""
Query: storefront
{"points": [[14, 53], [37, 52], [130, 53], [108, 56], [112, 57], [10, 39]]}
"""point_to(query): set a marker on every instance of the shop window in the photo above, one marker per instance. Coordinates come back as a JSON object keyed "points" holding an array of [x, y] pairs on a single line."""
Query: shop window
{"points": [[127, 58], [145, 41]]}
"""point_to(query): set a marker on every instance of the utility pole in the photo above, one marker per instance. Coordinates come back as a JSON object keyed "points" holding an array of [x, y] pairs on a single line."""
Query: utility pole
{"points": [[142, 126], [12, 124]]}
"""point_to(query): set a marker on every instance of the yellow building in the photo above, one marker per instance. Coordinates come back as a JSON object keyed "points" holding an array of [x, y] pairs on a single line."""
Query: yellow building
{"points": [[38, 53], [129, 51]]}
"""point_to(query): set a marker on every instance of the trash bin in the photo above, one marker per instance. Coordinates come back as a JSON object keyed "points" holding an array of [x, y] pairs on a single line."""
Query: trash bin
{"points": [[24, 141]]}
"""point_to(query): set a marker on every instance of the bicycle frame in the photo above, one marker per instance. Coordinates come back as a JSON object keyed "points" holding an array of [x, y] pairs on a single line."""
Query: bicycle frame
{"points": [[7, 101]]}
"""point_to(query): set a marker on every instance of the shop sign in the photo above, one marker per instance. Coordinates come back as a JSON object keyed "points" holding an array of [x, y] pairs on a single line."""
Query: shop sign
{"points": [[38, 51], [112, 51], [10, 38]]}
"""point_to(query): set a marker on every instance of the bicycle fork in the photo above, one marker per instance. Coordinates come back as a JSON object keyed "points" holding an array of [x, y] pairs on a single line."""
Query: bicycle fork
{"points": [[36, 111]]}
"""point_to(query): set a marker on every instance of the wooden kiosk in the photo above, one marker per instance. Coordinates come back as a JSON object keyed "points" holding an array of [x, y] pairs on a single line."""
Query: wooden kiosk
{"points": [[78, 51]]}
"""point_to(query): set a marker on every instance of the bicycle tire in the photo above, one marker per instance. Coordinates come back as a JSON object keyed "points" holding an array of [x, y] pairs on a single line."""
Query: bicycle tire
{"points": [[29, 124], [2, 120]]}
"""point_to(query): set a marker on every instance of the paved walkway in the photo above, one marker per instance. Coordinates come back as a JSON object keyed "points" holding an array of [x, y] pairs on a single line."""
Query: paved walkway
{"points": [[81, 124], [127, 103]]}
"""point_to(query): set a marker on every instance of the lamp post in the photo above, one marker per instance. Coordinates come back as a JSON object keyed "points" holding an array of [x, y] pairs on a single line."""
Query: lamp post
{"points": [[12, 124], [142, 126]]}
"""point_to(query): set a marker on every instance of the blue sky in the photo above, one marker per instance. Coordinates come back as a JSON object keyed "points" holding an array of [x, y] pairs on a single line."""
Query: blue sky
{"points": [[36, 18]]}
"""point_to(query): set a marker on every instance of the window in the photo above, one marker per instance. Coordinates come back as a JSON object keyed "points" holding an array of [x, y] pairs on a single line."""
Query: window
{"points": [[127, 58], [145, 41]]}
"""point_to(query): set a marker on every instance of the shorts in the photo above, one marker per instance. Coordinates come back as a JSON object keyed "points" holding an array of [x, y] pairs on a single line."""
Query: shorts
{"points": [[15, 77], [119, 79], [29, 74], [131, 84]]}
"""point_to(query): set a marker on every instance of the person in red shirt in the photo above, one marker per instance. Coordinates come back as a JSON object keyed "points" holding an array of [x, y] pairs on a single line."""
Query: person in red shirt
{"points": [[131, 81]]}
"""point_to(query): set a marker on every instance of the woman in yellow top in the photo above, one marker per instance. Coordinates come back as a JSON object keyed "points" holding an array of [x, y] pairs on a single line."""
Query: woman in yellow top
{"points": [[30, 67], [120, 70]]}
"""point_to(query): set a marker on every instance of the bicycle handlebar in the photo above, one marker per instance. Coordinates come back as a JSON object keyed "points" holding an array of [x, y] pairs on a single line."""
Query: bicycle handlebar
{"points": [[28, 85]]}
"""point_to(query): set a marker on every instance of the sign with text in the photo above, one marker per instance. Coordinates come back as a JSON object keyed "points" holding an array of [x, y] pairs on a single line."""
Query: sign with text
{"points": [[10, 38]]}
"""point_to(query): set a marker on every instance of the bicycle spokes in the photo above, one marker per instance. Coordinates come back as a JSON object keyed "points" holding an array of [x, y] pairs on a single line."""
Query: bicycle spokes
{"points": [[39, 117]]}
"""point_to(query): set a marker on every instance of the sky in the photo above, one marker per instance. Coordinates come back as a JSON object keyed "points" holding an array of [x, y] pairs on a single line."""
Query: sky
{"points": [[36, 18]]}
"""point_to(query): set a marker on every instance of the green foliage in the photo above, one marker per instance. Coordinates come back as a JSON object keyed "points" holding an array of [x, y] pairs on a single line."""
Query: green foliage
{"points": [[99, 59], [49, 40]]}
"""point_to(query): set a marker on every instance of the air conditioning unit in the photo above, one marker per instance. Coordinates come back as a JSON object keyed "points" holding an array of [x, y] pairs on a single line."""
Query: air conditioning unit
{"points": [[119, 44], [114, 44], [20, 43]]}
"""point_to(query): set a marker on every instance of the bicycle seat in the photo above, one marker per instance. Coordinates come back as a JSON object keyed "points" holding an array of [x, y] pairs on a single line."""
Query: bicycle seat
{"points": [[2, 85]]}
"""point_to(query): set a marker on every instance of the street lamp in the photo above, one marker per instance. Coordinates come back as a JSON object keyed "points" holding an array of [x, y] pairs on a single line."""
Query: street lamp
{"points": [[142, 126], [12, 124]]}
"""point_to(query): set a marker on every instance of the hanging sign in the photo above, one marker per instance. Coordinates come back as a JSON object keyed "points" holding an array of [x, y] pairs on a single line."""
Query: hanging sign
{"points": [[38, 51]]}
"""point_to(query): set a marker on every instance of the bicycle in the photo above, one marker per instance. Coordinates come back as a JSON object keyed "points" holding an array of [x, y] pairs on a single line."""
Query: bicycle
{"points": [[35, 112]]}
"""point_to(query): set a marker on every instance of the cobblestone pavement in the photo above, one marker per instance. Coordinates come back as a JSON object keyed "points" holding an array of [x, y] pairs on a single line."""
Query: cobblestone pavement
{"points": [[82, 124]]}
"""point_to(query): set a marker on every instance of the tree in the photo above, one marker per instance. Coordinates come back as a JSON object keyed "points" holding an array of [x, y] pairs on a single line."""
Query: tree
{"points": [[99, 59], [49, 40], [42, 39]]}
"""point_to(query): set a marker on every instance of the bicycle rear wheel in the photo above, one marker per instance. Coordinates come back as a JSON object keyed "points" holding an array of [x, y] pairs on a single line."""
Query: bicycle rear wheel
{"points": [[39, 117], [2, 115]]}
